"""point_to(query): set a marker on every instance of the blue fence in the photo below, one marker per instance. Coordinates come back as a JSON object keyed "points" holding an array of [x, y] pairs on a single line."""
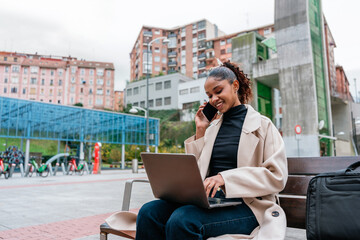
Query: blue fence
{"points": [[37, 120]]}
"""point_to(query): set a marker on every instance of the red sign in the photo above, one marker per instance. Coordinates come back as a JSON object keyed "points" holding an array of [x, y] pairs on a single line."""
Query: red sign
{"points": [[298, 129]]}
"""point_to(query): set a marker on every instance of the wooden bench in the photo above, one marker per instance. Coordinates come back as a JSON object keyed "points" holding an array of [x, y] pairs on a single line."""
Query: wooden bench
{"points": [[292, 198]]}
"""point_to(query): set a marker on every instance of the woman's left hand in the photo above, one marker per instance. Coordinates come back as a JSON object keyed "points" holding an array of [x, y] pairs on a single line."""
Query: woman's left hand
{"points": [[213, 182]]}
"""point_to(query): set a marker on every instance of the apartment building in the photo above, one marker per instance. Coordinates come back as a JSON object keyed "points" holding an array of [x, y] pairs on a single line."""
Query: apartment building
{"points": [[60, 80], [221, 47], [118, 101], [185, 52]]}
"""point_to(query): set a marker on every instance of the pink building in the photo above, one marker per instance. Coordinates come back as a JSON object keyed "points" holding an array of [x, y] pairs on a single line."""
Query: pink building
{"points": [[61, 80]]}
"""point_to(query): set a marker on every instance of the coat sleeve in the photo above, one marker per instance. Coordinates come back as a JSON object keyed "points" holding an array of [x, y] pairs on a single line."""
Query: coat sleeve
{"points": [[194, 146], [268, 178]]}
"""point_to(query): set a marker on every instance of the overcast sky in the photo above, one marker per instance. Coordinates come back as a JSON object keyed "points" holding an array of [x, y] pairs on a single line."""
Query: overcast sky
{"points": [[106, 30]]}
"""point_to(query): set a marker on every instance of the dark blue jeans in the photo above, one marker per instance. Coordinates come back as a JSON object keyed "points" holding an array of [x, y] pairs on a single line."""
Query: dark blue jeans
{"points": [[160, 219]]}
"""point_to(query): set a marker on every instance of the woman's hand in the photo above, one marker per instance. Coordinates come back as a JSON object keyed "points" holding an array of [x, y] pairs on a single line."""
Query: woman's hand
{"points": [[213, 182], [201, 122]]}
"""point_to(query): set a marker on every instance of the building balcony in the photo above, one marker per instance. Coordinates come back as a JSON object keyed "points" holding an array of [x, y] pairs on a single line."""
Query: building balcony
{"points": [[172, 71], [202, 75], [202, 66], [202, 56], [209, 45], [172, 63], [172, 54], [172, 35], [202, 47], [148, 33]]}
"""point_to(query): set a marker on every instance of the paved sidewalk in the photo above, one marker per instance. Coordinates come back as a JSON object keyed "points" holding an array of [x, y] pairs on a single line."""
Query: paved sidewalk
{"points": [[70, 207]]}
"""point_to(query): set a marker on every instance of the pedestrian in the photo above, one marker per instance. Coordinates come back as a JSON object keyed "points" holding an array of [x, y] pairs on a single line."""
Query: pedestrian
{"points": [[240, 155]]}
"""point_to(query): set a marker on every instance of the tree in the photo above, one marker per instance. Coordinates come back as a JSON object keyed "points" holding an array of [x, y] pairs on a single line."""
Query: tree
{"points": [[79, 104]]}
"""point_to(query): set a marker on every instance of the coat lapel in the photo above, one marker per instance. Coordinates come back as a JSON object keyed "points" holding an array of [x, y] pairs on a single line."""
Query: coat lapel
{"points": [[248, 140]]}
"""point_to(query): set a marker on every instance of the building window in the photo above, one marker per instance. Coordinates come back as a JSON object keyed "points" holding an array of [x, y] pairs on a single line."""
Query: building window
{"points": [[156, 59], [72, 79], [142, 104], [5, 58], [60, 72], [129, 92], [42, 91], [33, 81], [157, 50], [228, 50], [108, 82], [5, 89], [222, 51], [72, 89], [164, 60], [167, 101], [81, 90], [90, 91], [159, 102], [24, 90], [15, 80], [60, 82], [99, 81], [184, 91], [107, 92], [158, 86], [15, 59], [52, 72], [59, 92], [151, 103], [222, 42], [51, 82], [157, 68], [167, 84], [51, 92], [5, 80], [99, 91], [136, 90], [73, 70], [26, 70], [194, 89], [25, 80], [108, 73], [91, 81], [91, 72], [6, 69], [82, 71], [59, 101], [32, 91], [34, 70], [42, 81], [43, 71], [100, 72], [15, 69], [136, 104], [72, 100], [13, 90]]}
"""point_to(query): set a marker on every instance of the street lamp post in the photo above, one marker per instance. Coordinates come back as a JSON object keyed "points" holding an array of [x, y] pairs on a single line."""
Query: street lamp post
{"points": [[165, 40]]}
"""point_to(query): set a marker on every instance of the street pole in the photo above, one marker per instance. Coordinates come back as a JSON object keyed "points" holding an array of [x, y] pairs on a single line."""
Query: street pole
{"points": [[147, 98], [147, 90]]}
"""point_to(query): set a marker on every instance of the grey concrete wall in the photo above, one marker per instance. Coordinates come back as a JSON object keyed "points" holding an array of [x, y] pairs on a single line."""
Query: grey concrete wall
{"points": [[296, 77]]}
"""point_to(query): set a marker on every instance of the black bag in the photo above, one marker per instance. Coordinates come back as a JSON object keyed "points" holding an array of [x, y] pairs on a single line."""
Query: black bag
{"points": [[333, 205]]}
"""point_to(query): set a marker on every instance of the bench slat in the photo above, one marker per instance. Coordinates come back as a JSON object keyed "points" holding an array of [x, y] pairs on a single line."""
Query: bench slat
{"points": [[295, 210], [297, 185], [316, 165]]}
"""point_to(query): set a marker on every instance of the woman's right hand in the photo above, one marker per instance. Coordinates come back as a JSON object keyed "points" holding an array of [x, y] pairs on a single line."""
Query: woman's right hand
{"points": [[201, 122]]}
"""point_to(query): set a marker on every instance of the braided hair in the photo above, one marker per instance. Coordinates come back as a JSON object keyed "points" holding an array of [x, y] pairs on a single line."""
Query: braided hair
{"points": [[230, 71]]}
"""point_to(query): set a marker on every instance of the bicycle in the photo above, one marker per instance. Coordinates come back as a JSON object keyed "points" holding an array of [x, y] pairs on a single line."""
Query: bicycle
{"points": [[43, 170], [73, 168], [4, 167]]}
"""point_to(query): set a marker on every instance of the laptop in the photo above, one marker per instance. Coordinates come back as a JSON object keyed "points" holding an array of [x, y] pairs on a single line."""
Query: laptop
{"points": [[176, 178]]}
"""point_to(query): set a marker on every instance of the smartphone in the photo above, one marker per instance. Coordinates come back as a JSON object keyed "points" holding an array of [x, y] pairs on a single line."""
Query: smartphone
{"points": [[209, 111]]}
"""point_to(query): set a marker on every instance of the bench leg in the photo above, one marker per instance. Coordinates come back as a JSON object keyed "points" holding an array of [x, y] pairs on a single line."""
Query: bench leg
{"points": [[103, 236], [127, 193]]}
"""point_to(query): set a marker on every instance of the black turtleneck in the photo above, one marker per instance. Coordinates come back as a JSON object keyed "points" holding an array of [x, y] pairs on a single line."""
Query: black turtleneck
{"points": [[224, 154]]}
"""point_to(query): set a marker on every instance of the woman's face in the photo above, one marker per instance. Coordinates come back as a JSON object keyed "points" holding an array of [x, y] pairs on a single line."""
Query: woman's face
{"points": [[222, 94]]}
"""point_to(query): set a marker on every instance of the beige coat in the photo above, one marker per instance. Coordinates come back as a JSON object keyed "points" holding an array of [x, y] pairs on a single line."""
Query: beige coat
{"points": [[260, 175]]}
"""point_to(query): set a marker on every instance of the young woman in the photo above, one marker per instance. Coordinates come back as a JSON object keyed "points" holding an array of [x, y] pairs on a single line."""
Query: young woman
{"points": [[240, 155]]}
